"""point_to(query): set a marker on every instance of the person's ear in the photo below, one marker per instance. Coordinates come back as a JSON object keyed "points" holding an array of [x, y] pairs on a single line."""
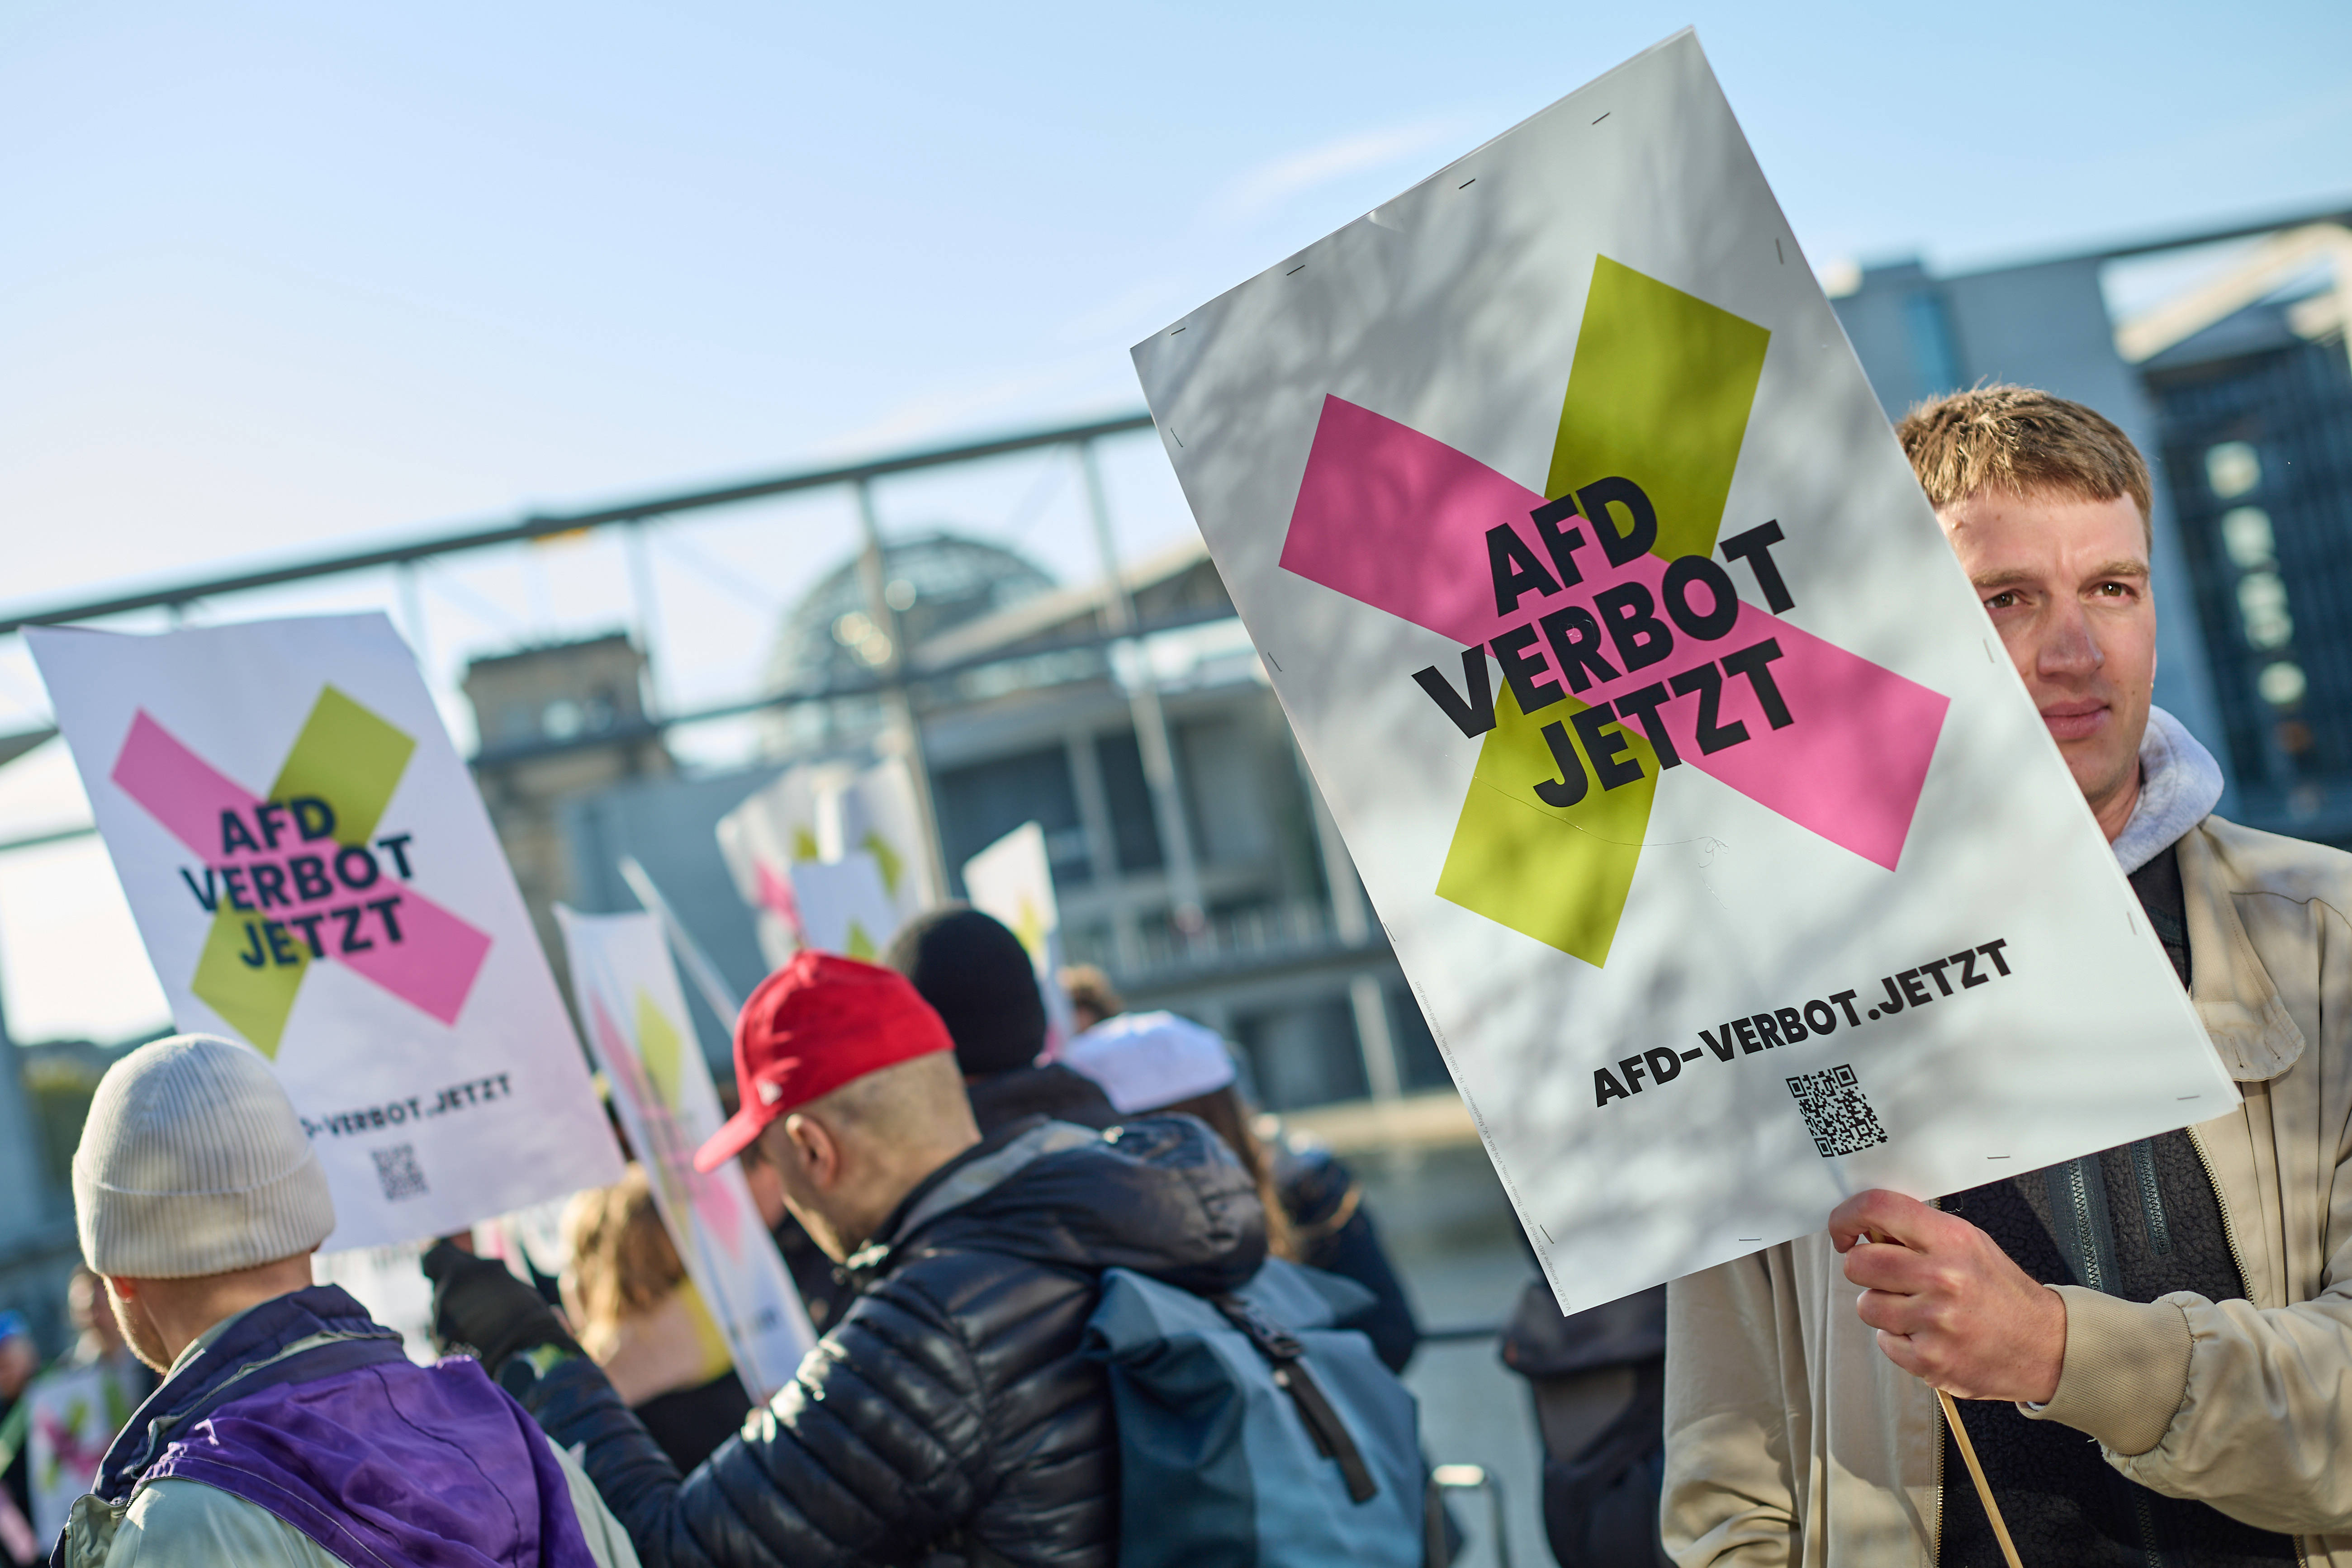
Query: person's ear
{"points": [[126, 1303], [815, 1148]]}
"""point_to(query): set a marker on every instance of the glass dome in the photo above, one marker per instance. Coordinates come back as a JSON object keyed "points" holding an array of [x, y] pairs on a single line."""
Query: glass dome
{"points": [[936, 582]]}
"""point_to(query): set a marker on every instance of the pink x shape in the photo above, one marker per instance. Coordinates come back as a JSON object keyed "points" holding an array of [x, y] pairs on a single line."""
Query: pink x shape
{"points": [[433, 967], [1398, 520]]}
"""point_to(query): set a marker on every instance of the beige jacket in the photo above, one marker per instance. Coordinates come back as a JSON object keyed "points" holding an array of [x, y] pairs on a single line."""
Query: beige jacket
{"points": [[1791, 1439]]}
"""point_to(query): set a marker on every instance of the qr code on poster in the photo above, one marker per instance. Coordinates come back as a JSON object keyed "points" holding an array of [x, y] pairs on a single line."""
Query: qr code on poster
{"points": [[1836, 1114], [397, 1171]]}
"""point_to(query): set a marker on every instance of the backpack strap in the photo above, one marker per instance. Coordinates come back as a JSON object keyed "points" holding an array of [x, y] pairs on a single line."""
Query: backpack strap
{"points": [[1287, 1357]]}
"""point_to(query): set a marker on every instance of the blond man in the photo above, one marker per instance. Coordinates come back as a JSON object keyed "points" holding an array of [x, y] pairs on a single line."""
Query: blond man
{"points": [[2151, 1347]]}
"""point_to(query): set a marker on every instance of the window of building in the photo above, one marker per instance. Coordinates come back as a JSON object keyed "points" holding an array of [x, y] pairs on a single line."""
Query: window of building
{"points": [[1135, 831], [2246, 534], [560, 719], [2282, 684], [1305, 1054], [518, 723], [1223, 786], [1419, 1061], [2232, 468], [980, 803], [2261, 608]]}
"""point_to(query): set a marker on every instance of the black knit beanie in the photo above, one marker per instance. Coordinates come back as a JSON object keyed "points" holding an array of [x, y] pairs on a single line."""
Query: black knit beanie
{"points": [[976, 975]]}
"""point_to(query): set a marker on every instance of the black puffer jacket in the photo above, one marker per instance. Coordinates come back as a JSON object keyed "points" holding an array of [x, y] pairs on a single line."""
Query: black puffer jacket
{"points": [[948, 1412], [1053, 1090]]}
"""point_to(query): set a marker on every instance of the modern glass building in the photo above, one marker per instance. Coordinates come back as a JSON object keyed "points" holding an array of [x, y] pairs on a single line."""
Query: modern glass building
{"points": [[2224, 355], [2257, 430]]}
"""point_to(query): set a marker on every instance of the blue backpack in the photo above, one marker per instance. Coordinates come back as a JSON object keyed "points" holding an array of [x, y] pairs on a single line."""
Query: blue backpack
{"points": [[1252, 1433]]}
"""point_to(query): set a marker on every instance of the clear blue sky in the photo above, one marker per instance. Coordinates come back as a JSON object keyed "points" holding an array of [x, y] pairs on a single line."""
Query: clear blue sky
{"points": [[277, 275]]}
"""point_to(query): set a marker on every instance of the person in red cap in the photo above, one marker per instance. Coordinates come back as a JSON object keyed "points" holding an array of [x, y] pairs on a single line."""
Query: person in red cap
{"points": [[949, 1416]]}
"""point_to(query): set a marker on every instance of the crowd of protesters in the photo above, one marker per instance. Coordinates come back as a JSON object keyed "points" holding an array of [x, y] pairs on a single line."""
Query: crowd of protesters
{"points": [[2151, 1347]]}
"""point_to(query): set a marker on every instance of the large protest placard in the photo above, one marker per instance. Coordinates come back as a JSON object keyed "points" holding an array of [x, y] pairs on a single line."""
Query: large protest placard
{"points": [[1013, 879], [823, 814], [1727, 857], [638, 1027], [313, 873]]}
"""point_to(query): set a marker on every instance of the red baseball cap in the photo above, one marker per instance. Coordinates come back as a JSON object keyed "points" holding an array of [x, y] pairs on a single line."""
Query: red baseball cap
{"points": [[819, 1022]]}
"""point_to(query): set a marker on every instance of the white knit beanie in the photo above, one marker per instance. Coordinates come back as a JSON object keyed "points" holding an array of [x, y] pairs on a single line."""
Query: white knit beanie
{"points": [[192, 1161], [1147, 1061]]}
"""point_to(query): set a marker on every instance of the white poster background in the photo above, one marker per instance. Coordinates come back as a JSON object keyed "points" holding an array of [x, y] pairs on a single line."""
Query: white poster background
{"points": [[824, 813], [1455, 310], [843, 906], [1013, 879], [637, 1023], [762, 840], [76, 1413], [389, 1282], [878, 815], [423, 1125]]}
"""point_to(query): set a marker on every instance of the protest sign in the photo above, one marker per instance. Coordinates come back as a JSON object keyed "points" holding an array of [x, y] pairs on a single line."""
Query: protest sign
{"points": [[763, 839], [1727, 858], [389, 1282], [637, 1024], [1013, 881], [313, 874], [822, 813], [74, 1413], [878, 815], [844, 907]]}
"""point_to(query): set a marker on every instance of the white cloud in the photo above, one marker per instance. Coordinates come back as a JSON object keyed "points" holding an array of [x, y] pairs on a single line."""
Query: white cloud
{"points": [[1258, 191], [980, 405], [1138, 309]]}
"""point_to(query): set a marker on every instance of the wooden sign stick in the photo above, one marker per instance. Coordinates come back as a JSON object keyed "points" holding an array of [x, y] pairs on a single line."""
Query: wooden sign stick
{"points": [[1976, 1474]]}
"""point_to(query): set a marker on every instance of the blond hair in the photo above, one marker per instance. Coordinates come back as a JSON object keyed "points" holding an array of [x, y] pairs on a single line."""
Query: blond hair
{"points": [[622, 1261], [2016, 440], [1090, 991]]}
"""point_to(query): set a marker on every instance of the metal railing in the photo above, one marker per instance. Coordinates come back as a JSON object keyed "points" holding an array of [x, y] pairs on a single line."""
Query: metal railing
{"points": [[545, 525]]}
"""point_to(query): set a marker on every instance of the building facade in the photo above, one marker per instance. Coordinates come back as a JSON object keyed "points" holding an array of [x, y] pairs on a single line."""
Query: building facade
{"points": [[2236, 384], [2256, 421], [1026, 712], [557, 723]]}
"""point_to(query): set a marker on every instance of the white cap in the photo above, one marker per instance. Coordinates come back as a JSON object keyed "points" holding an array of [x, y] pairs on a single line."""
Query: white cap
{"points": [[1148, 1061], [192, 1161]]}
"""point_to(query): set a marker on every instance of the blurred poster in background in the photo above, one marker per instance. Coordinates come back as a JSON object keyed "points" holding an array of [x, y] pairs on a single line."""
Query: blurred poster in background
{"points": [[846, 906], [827, 814], [74, 1414], [1013, 881], [636, 1016], [313, 874], [390, 1281]]}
